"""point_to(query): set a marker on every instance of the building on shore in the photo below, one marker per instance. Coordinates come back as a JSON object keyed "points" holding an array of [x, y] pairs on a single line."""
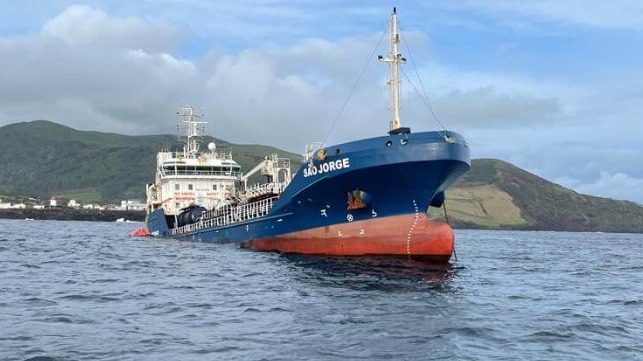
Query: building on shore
{"points": [[132, 205], [9, 205]]}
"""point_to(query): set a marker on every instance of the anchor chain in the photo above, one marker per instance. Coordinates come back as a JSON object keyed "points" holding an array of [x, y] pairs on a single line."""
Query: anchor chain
{"points": [[416, 216]]}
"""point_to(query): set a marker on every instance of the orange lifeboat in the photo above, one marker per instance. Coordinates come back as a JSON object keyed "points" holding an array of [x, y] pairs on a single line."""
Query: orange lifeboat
{"points": [[141, 232]]}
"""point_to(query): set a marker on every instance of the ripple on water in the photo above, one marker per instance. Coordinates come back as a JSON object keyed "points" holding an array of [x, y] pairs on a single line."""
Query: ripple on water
{"points": [[97, 294], [89, 298], [44, 358]]}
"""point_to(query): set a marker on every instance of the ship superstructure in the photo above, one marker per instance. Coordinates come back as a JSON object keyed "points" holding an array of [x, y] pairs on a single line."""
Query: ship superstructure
{"points": [[190, 176]]}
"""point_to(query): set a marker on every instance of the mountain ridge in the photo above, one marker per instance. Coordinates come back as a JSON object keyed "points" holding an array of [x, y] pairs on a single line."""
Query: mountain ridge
{"points": [[41, 158], [497, 194]]}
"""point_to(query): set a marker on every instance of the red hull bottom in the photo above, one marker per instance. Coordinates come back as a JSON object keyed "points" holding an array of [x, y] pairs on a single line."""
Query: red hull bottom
{"points": [[407, 235]]}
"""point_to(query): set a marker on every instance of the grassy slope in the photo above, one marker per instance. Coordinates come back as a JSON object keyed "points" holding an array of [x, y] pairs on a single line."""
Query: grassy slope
{"points": [[496, 194], [41, 158], [477, 201], [549, 206]]}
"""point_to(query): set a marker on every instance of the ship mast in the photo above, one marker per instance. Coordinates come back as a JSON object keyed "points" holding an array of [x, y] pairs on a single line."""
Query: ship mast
{"points": [[192, 128], [394, 58]]}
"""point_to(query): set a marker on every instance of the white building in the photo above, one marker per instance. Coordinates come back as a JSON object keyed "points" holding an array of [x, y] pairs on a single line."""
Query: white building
{"points": [[72, 204], [132, 205], [93, 206], [12, 206], [53, 201]]}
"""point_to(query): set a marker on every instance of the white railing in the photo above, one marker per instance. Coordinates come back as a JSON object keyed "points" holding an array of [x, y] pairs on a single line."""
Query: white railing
{"points": [[198, 172], [180, 155], [228, 216], [265, 188]]}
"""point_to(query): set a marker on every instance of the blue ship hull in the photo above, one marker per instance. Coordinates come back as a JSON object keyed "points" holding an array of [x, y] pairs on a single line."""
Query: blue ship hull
{"points": [[393, 179]]}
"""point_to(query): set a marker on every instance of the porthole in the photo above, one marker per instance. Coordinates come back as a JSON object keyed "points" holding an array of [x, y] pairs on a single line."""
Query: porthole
{"points": [[388, 143]]}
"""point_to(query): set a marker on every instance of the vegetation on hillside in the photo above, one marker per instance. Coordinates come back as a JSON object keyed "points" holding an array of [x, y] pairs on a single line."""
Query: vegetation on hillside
{"points": [[550, 206], [542, 205], [42, 158]]}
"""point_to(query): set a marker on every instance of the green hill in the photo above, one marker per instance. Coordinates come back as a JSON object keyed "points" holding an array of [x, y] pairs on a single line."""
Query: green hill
{"points": [[496, 194], [41, 158]]}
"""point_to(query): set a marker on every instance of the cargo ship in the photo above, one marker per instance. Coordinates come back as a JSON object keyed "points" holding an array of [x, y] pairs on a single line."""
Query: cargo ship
{"points": [[363, 197]]}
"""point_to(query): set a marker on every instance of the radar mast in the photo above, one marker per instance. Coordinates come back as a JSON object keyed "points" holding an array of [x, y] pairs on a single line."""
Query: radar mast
{"points": [[394, 59], [192, 129]]}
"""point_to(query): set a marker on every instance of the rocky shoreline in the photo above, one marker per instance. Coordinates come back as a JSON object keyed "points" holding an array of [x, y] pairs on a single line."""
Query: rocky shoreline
{"points": [[71, 214]]}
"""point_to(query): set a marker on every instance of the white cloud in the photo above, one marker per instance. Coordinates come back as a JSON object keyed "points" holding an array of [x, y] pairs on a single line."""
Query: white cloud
{"points": [[116, 67], [614, 185], [488, 107], [92, 70], [108, 74], [81, 25]]}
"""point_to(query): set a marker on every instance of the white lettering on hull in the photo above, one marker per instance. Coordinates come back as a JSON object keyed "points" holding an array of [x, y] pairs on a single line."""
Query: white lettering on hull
{"points": [[327, 167]]}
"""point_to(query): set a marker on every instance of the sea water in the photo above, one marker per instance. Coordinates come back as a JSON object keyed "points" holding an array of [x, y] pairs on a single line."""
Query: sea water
{"points": [[87, 291]]}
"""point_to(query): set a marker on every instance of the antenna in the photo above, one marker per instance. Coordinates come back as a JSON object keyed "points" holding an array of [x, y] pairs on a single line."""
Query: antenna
{"points": [[192, 128], [394, 58]]}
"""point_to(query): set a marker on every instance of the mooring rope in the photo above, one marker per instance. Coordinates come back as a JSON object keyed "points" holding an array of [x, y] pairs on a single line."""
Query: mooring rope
{"points": [[446, 217], [422, 95]]}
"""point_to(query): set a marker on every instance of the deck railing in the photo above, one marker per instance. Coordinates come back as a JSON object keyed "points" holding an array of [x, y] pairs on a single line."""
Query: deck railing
{"points": [[259, 190], [231, 215], [198, 172]]}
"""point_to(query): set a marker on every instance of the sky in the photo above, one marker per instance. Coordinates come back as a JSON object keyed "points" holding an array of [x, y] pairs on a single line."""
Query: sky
{"points": [[552, 86]]}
